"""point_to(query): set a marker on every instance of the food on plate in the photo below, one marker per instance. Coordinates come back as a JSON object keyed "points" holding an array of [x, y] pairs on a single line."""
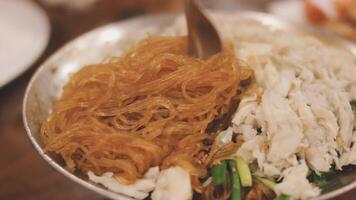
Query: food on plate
{"points": [[271, 116], [152, 106], [338, 16]]}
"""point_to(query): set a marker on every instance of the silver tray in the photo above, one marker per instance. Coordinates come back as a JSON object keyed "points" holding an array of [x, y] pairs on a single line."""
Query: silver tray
{"points": [[46, 84]]}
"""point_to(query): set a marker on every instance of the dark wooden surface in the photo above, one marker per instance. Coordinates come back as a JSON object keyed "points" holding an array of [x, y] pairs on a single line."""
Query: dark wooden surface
{"points": [[23, 174]]}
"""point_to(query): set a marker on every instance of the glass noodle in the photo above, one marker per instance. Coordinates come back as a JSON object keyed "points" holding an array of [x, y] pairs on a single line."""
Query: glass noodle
{"points": [[149, 107]]}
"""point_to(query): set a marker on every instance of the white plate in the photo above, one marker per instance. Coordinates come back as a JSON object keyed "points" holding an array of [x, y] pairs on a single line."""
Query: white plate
{"points": [[24, 34]]}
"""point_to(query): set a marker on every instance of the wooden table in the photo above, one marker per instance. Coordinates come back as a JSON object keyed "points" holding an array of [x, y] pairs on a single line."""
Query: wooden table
{"points": [[23, 174]]}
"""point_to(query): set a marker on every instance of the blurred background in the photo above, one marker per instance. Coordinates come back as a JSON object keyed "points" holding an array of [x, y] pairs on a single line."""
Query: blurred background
{"points": [[23, 174]]}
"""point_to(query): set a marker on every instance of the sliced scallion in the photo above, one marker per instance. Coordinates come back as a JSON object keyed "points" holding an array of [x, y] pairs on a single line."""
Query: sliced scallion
{"points": [[236, 191], [219, 173], [268, 183], [353, 106], [244, 172]]}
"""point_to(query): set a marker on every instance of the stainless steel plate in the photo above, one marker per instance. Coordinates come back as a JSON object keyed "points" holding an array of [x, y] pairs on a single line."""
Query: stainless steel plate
{"points": [[46, 84]]}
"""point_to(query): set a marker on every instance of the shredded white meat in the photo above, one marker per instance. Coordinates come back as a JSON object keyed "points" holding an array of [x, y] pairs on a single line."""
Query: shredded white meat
{"points": [[296, 176], [139, 190], [300, 116], [303, 114], [173, 184]]}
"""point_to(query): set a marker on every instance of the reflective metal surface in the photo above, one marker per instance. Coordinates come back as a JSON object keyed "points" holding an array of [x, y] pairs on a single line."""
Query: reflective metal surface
{"points": [[93, 47]]}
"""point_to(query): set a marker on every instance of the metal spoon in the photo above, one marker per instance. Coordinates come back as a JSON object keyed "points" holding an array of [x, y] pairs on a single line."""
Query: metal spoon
{"points": [[203, 39]]}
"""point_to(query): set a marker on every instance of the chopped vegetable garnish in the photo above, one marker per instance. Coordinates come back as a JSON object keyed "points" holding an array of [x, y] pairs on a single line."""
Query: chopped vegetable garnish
{"points": [[219, 173], [236, 192], [244, 172], [268, 183], [283, 197], [322, 180], [353, 106], [309, 172]]}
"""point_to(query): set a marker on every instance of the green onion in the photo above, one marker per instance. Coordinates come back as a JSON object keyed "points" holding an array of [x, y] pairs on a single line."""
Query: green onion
{"points": [[325, 180], [353, 106], [236, 192], [268, 183], [283, 197], [244, 171], [320, 181], [219, 173], [309, 172]]}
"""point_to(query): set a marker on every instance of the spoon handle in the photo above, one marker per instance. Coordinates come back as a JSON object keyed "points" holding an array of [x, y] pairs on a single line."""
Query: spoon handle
{"points": [[203, 39]]}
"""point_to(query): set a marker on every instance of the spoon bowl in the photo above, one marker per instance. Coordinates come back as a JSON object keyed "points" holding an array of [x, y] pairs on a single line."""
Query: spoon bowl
{"points": [[203, 39]]}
